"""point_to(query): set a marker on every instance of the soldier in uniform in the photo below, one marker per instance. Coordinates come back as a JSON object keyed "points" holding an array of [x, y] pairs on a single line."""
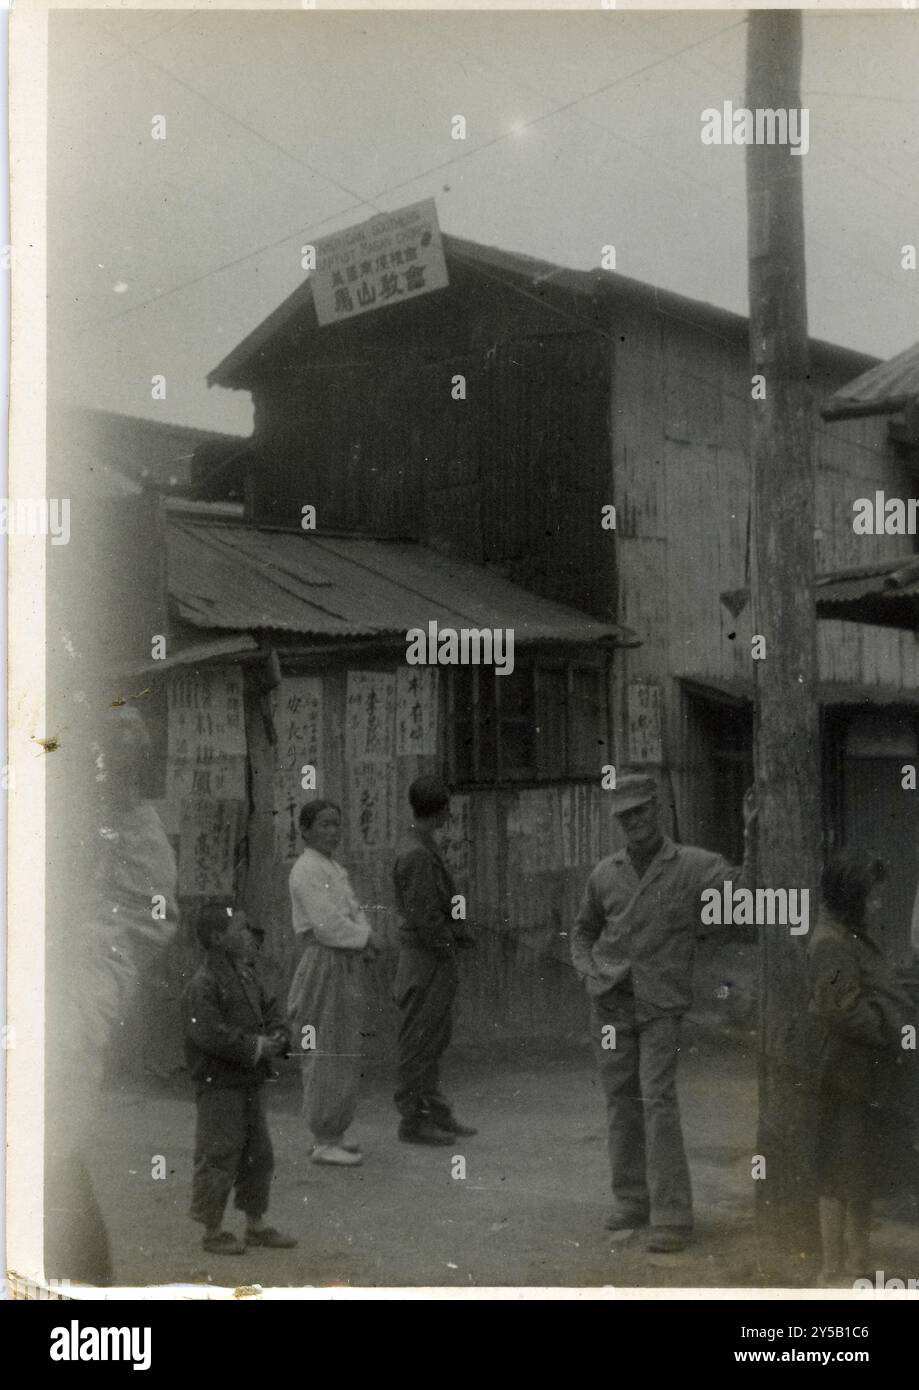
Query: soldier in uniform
{"points": [[426, 977], [633, 944]]}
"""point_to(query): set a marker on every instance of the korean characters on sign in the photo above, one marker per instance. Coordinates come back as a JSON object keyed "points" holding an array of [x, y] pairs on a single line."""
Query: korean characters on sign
{"points": [[391, 258]]}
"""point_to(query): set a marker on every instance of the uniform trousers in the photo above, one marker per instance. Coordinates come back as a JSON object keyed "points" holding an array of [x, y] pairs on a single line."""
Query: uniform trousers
{"points": [[638, 1066], [424, 992]]}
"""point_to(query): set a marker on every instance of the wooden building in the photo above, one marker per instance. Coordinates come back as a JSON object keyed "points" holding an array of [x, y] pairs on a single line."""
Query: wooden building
{"points": [[456, 454]]}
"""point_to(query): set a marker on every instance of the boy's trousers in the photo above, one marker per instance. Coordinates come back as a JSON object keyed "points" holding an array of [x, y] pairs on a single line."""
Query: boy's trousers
{"points": [[232, 1148], [638, 1064], [424, 991]]}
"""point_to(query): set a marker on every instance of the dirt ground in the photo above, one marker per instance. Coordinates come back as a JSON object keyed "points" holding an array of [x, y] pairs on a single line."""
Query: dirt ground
{"points": [[529, 1210]]}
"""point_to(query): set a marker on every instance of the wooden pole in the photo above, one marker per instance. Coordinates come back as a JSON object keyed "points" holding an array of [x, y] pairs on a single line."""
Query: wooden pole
{"points": [[786, 751]]}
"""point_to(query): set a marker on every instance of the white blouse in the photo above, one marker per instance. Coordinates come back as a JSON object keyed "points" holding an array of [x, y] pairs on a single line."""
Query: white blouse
{"points": [[322, 902]]}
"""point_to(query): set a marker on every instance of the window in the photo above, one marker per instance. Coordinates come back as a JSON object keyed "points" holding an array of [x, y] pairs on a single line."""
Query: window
{"points": [[545, 721]]}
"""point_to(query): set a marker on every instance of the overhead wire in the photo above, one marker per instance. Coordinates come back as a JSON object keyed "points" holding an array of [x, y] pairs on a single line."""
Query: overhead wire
{"points": [[371, 200]]}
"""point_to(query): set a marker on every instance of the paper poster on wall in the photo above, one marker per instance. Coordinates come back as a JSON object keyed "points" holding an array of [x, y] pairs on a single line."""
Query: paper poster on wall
{"points": [[207, 847], [372, 804], [370, 715], [296, 707], [455, 839], [416, 711], [206, 735], [287, 800], [644, 716]]}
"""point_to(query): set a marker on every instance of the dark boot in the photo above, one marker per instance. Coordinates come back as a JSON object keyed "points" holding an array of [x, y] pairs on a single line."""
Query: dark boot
{"points": [[444, 1118], [423, 1130]]}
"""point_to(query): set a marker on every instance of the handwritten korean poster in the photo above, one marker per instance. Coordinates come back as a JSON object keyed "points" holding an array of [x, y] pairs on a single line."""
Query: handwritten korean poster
{"points": [[296, 707], [370, 715], [456, 841], [416, 711], [207, 847], [644, 710], [206, 737], [297, 714], [372, 804]]}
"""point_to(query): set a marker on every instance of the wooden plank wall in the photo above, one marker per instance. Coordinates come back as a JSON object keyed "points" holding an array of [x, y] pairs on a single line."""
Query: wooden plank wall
{"points": [[678, 415], [515, 474]]}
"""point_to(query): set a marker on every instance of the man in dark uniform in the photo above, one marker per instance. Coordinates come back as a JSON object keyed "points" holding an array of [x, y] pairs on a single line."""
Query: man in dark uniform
{"points": [[633, 944], [426, 978]]}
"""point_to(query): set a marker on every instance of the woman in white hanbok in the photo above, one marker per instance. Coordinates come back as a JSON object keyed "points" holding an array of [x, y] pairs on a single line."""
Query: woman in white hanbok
{"points": [[327, 995]]}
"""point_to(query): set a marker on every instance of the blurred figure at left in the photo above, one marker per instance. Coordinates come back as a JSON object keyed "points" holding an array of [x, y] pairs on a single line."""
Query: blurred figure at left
{"points": [[110, 955]]}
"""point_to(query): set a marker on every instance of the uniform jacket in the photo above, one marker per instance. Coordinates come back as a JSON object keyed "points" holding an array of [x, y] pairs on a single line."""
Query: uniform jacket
{"points": [[861, 1011], [647, 928], [226, 1010], [424, 890]]}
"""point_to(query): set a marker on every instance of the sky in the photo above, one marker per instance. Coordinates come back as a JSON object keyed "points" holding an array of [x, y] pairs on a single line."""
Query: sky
{"points": [[583, 129]]}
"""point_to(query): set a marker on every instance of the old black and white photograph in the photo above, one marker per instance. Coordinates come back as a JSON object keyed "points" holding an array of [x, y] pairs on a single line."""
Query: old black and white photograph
{"points": [[467, 797]]}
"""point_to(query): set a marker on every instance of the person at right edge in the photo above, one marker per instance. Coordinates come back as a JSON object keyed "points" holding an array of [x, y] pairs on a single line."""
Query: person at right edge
{"points": [[426, 976], [866, 1093], [633, 944]]}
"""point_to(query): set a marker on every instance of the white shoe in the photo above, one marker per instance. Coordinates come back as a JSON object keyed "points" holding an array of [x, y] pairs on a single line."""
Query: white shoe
{"points": [[334, 1154]]}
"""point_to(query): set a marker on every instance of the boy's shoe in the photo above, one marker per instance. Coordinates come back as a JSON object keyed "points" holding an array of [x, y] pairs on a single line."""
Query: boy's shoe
{"points": [[224, 1243], [626, 1218], [424, 1131], [336, 1156], [668, 1240], [270, 1238]]}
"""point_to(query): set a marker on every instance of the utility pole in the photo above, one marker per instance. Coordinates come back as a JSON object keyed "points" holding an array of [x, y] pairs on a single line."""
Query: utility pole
{"points": [[786, 752]]}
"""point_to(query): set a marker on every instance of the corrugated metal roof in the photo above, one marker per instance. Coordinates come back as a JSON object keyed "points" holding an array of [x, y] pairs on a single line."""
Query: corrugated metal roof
{"points": [[239, 644], [881, 390], [886, 594], [240, 578]]}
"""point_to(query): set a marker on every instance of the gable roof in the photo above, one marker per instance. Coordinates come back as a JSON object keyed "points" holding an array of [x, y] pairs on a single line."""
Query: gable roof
{"points": [[577, 294]]}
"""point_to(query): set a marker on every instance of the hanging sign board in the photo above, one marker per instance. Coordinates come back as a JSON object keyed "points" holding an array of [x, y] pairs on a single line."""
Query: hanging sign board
{"points": [[394, 257]]}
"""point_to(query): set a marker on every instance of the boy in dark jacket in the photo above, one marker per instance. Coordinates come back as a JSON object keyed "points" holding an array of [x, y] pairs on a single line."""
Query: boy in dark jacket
{"points": [[232, 1030]]}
